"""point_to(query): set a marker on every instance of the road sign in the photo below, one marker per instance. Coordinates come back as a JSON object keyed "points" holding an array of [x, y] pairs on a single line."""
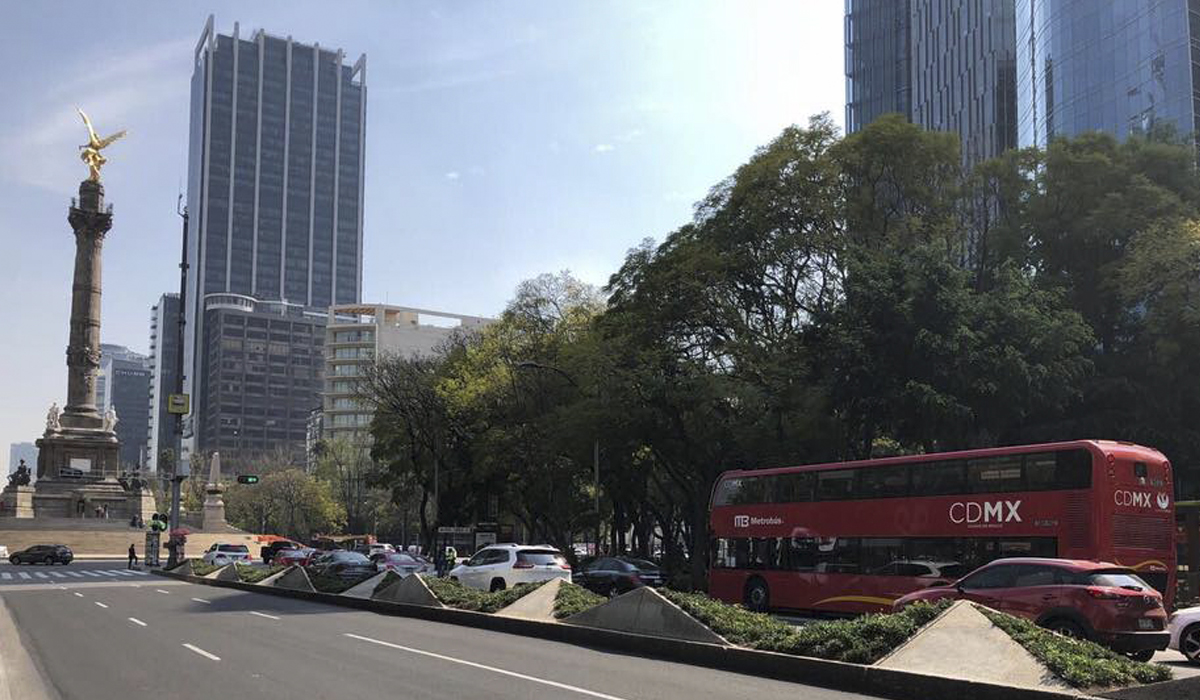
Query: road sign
{"points": [[247, 478], [180, 404], [449, 530]]}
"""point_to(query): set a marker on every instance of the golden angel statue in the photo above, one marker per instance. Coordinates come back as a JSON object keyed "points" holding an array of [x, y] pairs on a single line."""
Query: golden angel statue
{"points": [[90, 151]]}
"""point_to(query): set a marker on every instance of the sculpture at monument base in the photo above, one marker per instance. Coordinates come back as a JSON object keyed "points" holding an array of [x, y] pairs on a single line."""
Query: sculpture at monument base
{"points": [[214, 505]]}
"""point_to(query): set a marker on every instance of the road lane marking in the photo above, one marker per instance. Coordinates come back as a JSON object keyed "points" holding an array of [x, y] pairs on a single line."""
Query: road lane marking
{"points": [[41, 575], [135, 572], [269, 617], [79, 595], [75, 574], [101, 604], [6, 577], [162, 591], [493, 669], [93, 574], [136, 621], [24, 575], [201, 600], [55, 574], [201, 652]]}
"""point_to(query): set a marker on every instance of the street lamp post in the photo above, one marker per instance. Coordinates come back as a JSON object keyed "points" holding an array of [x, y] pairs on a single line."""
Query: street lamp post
{"points": [[529, 364]]}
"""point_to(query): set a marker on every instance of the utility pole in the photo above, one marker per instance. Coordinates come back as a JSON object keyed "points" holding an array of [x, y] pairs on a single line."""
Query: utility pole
{"points": [[178, 474]]}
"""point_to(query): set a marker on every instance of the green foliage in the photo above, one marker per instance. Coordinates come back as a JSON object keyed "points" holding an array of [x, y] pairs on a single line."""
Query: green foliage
{"points": [[572, 599], [290, 502], [863, 640], [200, 568], [1080, 663], [455, 595], [328, 583], [254, 574]]}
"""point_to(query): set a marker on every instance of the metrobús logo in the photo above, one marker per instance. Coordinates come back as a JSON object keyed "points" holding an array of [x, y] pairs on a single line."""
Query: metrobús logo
{"points": [[747, 521], [1141, 499], [985, 513]]}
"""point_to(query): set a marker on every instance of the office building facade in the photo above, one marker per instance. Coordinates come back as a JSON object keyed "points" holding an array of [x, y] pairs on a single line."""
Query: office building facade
{"points": [[162, 431], [877, 60], [263, 365], [1119, 67], [948, 65], [275, 184], [123, 384], [355, 336]]}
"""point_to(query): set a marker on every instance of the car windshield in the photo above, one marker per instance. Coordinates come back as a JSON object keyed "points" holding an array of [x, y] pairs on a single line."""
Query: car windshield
{"points": [[642, 565], [540, 557], [1118, 579], [351, 558], [399, 559], [235, 548]]}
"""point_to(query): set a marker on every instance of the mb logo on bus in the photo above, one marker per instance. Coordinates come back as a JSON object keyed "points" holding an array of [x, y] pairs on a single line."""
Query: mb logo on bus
{"points": [[973, 512]]}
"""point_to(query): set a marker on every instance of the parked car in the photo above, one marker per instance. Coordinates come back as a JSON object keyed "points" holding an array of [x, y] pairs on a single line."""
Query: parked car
{"points": [[221, 554], [1092, 600], [302, 556], [48, 554], [499, 566], [269, 551], [616, 575], [1184, 626], [943, 571], [343, 564], [402, 564]]}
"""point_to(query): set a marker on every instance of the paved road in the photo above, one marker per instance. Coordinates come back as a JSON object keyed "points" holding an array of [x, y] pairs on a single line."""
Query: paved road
{"points": [[78, 571], [118, 642]]}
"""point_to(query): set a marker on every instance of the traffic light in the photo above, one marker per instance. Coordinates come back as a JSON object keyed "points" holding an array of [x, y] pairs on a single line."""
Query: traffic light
{"points": [[247, 478]]}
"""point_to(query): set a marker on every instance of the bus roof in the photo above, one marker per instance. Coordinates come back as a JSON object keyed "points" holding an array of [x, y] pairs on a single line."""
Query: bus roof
{"points": [[1094, 446]]}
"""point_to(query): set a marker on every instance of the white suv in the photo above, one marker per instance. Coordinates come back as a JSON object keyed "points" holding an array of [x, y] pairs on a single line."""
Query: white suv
{"points": [[222, 554], [499, 566]]}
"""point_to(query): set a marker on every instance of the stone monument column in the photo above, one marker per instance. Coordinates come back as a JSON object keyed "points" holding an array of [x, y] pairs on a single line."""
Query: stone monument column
{"points": [[91, 221]]}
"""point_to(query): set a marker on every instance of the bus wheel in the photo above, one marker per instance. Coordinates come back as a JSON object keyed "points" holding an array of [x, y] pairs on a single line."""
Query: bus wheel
{"points": [[757, 595]]}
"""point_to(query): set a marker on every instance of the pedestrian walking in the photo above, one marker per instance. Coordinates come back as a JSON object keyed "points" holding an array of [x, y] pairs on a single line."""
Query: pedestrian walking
{"points": [[133, 557]]}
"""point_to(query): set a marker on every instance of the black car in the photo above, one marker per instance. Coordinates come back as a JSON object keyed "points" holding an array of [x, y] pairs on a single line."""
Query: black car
{"points": [[43, 554], [616, 575], [344, 565]]}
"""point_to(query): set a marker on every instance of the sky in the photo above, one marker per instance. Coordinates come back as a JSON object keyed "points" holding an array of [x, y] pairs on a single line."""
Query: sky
{"points": [[504, 139]]}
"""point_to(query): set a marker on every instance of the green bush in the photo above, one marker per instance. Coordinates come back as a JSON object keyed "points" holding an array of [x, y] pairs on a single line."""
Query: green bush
{"points": [[1080, 663], [863, 640], [199, 568], [253, 574], [328, 583], [456, 595], [572, 599]]}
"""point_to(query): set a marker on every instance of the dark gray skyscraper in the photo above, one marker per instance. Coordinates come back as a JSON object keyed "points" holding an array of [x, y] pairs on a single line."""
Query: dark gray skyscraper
{"points": [[164, 359], [1119, 67], [948, 65], [275, 181], [877, 60]]}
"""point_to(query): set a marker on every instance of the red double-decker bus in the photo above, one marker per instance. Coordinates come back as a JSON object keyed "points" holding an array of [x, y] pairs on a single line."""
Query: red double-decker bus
{"points": [[851, 537]]}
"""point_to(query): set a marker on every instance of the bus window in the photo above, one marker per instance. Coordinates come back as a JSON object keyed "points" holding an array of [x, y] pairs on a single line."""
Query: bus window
{"points": [[884, 482], [796, 487], [938, 478], [837, 485], [737, 492], [1066, 469], [994, 474]]}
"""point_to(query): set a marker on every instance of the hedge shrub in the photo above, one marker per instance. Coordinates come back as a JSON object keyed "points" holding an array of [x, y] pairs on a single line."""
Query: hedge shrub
{"points": [[455, 595], [572, 599], [254, 574], [199, 568], [1080, 663], [328, 583]]}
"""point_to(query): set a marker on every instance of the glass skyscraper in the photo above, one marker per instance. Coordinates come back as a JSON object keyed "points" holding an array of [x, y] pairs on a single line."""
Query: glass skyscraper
{"points": [[948, 65], [275, 183], [1119, 67], [877, 60]]}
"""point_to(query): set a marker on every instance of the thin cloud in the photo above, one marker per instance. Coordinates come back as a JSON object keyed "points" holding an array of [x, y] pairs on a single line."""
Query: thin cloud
{"points": [[453, 175], [603, 148]]}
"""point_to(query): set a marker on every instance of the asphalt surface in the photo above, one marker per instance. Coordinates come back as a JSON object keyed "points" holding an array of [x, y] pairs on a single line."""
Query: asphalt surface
{"points": [[78, 571], [168, 639]]}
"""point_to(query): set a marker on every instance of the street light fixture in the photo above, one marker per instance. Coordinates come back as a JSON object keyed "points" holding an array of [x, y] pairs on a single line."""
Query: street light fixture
{"points": [[530, 364]]}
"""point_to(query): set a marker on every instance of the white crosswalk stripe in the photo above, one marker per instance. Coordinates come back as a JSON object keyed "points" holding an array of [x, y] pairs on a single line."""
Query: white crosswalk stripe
{"points": [[40, 575], [55, 574], [93, 574], [24, 575], [75, 574], [123, 572], [6, 577], [140, 573]]}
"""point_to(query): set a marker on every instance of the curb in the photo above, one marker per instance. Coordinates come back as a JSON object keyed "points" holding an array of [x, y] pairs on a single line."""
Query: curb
{"points": [[833, 675]]}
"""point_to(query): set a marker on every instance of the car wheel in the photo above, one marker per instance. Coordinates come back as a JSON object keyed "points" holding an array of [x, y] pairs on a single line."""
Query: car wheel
{"points": [[1189, 643], [1144, 655], [48, 561], [757, 595], [498, 585], [14, 560], [1066, 628]]}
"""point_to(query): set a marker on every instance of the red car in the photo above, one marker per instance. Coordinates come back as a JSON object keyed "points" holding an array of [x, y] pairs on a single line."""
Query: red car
{"points": [[302, 557], [1092, 600]]}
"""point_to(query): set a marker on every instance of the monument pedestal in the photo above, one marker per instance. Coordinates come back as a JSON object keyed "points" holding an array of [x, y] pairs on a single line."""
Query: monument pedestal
{"points": [[140, 503], [17, 502], [77, 470]]}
